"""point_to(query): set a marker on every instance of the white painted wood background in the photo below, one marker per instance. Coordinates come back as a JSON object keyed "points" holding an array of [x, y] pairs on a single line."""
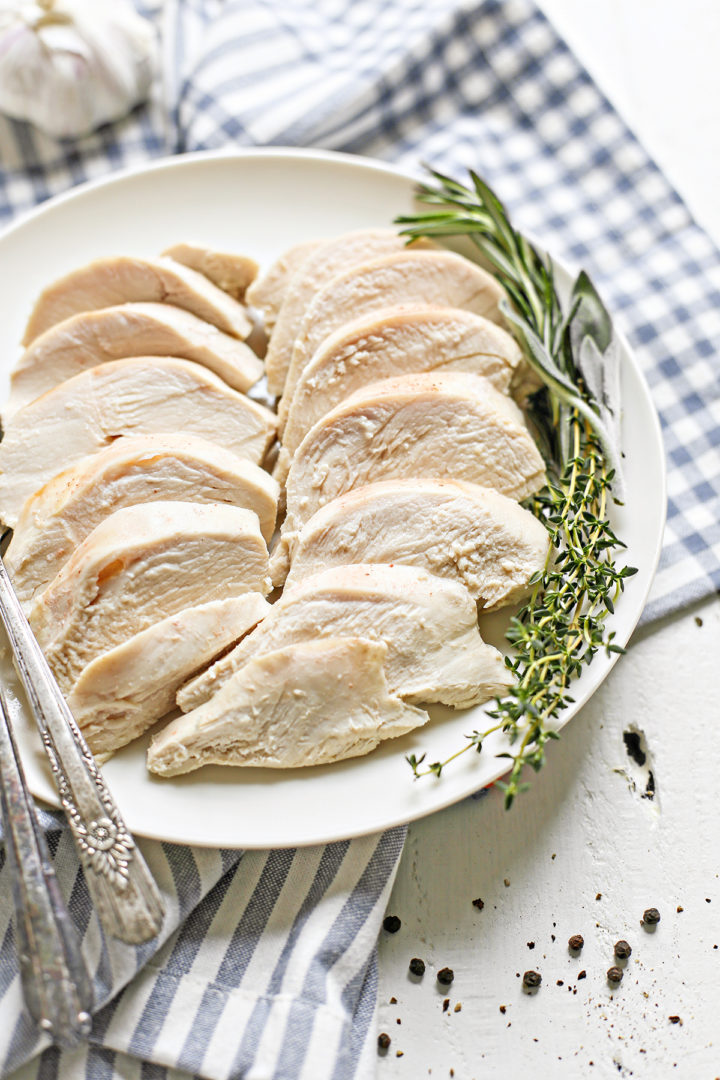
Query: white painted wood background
{"points": [[584, 829]]}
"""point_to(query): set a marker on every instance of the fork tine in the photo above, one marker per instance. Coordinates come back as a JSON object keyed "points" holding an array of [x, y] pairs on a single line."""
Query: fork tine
{"points": [[55, 981]]}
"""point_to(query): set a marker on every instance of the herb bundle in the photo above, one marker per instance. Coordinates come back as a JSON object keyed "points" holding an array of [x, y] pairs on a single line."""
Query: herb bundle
{"points": [[574, 413]]}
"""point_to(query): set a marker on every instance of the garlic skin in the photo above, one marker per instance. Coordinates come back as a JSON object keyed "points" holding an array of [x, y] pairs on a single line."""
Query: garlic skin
{"points": [[68, 66]]}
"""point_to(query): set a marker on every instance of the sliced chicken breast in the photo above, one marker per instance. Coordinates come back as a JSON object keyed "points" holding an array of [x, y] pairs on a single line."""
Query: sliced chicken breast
{"points": [[328, 260], [446, 425], [140, 565], [138, 469], [310, 703], [440, 278], [231, 273], [457, 530], [121, 280], [267, 291], [143, 396], [121, 693], [390, 342], [116, 333], [429, 624]]}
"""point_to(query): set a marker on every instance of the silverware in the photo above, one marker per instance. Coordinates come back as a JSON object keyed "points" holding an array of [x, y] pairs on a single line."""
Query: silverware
{"points": [[55, 981], [125, 895]]}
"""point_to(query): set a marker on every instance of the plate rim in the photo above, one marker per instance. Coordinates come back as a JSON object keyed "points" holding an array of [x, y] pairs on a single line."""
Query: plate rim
{"points": [[382, 168]]}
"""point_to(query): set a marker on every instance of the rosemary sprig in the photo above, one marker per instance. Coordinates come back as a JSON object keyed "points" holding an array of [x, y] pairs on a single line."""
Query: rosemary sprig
{"points": [[562, 626]]}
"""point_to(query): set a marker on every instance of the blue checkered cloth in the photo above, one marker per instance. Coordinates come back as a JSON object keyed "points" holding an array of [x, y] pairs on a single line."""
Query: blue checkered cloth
{"points": [[266, 966]]}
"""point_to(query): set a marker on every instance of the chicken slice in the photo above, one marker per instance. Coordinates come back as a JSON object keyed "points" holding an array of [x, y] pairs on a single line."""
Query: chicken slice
{"points": [[310, 703], [445, 425], [138, 469], [453, 529], [116, 333], [142, 564], [121, 280], [267, 292], [328, 260], [440, 278], [390, 342], [435, 652], [143, 396], [231, 273], [121, 693]]}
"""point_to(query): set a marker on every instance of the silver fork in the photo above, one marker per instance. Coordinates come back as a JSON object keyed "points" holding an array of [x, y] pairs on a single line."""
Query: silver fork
{"points": [[126, 898], [56, 985]]}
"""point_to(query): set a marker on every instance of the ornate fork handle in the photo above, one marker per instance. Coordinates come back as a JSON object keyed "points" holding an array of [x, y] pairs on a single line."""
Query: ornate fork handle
{"points": [[56, 985], [125, 895]]}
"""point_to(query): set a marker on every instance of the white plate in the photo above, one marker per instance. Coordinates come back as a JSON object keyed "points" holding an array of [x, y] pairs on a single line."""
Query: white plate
{"points": [[261, 202]]}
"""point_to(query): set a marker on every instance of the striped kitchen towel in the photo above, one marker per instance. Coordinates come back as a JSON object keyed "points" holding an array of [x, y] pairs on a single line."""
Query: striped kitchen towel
{"points": [[266, 967]]}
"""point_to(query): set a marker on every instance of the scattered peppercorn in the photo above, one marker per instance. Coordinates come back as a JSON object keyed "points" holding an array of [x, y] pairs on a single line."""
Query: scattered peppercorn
{"points": [[506, 882], [680, 908], [446, 1004], [445, 976], [614, 975], [392, 924], [531, 979], [417, 966], [399, 1053], [398, 1021], [674, 1019], [599, 896], [393, 1001], [478, 903], [698, 621], [622, 949], [560, 982], [651, 916], [582, 974], [383, 1041], [576, 942], [503, 1009], [531, 944]]}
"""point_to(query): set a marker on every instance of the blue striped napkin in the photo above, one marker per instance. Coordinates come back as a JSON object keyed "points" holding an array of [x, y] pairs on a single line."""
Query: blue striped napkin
{"points": [[266, 967]]}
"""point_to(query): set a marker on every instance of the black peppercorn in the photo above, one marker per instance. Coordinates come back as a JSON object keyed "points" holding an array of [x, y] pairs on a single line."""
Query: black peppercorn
{"points": [[576, 942], [417, 966], [614, 975], [445, 976], [479, 904], [622, 949], [531, 979], [383, 1041], [651, 916], [392, 924]]}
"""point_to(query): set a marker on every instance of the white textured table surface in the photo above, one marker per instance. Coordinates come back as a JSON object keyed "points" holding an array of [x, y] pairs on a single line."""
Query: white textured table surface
{"points": [[583, 851]]}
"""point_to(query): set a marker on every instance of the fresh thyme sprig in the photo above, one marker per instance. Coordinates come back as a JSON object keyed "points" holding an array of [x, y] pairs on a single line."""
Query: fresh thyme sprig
{"points": [[574, 413]]}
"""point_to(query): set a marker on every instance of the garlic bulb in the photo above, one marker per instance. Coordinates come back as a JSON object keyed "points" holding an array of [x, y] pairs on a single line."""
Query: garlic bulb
{"points": [[69, 66]]}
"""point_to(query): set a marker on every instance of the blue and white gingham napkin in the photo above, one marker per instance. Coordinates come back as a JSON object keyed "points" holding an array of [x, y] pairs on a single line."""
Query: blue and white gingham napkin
{"points": [[267, 962]]}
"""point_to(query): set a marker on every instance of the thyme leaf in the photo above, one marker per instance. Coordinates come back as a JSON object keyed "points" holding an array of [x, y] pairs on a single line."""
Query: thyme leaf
{"points": [[574, 414]]}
